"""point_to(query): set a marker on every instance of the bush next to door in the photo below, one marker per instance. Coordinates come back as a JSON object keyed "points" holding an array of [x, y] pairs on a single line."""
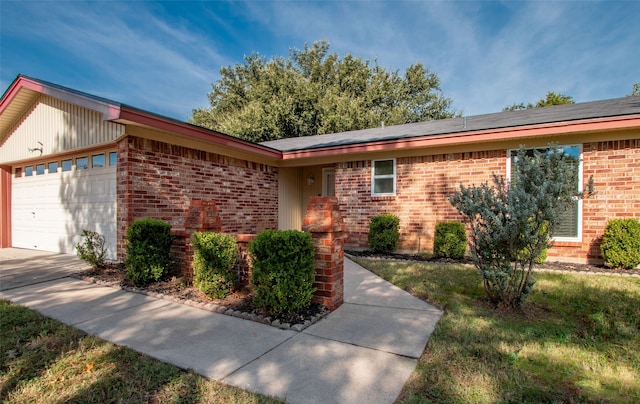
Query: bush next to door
{"points": [[450, 240], [148, 251], [92, 249], [213, 263], [384, 233], [620, 245], [283, 270]]}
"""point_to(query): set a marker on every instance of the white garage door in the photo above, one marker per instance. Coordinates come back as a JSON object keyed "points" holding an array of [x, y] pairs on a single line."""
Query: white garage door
{"points": [[50, 209]]}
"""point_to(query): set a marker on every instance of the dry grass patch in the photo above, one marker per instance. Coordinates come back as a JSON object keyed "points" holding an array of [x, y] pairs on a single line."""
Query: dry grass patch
{"points": [[577, 339]]}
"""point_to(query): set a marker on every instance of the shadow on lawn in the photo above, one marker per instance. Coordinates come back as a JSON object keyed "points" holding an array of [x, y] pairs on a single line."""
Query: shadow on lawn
{"points": [[577, 339]]}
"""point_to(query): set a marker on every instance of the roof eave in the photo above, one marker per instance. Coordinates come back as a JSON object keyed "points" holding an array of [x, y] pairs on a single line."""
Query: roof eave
{"points": [[150, 120], [485, 135]]}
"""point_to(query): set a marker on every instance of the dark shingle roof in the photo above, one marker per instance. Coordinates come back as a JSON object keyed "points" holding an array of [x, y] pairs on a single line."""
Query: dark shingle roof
{"points": [[533, 116]]}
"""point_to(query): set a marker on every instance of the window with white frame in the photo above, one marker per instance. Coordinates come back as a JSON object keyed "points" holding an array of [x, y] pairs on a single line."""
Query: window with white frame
{"points": [[383, 177], [570, 228]]}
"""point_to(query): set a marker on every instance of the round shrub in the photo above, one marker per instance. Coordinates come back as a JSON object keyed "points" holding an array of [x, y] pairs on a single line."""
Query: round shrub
{"points": [[384, 233], [620, 245], [283, 270], [450, 240], [148, 251], [214, 257]]}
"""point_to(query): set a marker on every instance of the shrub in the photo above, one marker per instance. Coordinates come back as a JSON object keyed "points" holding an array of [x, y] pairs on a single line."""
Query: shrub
{"points": [[92, 249], [384, 233], [283, 270], [148, 251], [620, 245], [450, 240], [213, 263], [512, 223]]}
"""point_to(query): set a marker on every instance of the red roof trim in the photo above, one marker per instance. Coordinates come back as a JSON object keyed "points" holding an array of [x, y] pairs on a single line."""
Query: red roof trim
{"points": [[108, 110], [182, 128], [556, 128]]}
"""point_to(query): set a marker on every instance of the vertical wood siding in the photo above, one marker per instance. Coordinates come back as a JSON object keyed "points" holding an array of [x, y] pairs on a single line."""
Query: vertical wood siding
{"points": [[290, 204], [60, 127]]}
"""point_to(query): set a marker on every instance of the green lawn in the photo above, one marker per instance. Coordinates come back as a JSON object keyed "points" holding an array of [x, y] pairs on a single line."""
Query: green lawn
{"points": [[577, 339], [44, 361]]}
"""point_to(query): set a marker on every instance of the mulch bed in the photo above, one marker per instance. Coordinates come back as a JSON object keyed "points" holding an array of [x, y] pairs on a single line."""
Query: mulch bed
{"points": [[238, 304], [547, 266]]}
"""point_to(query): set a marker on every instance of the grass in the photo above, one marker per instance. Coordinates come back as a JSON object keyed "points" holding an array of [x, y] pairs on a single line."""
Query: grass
{"points": [[576, 340], [45, 361]]}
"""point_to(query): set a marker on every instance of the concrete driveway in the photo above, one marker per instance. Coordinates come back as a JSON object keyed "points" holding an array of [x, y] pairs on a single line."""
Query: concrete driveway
{"points": [[20, 267]]}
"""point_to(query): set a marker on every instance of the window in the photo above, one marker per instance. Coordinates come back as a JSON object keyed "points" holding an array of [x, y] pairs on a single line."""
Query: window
{"points": [[53, 167], [113, 159], [40, 169], [82, 163], [67, 165], [28, 171], [383, 178], [97, 161], [18, 172], [328, 182], [570, 228]]}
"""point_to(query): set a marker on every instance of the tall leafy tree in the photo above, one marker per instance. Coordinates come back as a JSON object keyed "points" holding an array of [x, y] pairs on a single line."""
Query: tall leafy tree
{"points": [[314, 92], [635, 90], [552, 98]]}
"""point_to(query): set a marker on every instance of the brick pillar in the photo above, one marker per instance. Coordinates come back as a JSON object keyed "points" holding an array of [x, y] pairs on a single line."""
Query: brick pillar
{"points": [[324, 221], [201, 215], [243, 258]]}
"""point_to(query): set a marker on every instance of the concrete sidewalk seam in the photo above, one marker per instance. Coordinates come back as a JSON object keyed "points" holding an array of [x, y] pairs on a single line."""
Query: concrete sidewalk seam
{"points": [[434, 310], [258, 357], [34, 283], [360, 346]]}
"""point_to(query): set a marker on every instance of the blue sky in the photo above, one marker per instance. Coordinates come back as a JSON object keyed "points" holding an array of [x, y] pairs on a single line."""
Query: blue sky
{"points": [[163, 56]]}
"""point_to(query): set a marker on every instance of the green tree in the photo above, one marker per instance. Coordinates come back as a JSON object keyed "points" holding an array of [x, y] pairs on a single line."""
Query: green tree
{"points": [[635, 91], [552, 98], [315, 92], [513, 222]]}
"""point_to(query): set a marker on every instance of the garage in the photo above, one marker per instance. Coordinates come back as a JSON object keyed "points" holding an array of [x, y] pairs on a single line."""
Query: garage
{"points": [[57, 167], [53, 201]]}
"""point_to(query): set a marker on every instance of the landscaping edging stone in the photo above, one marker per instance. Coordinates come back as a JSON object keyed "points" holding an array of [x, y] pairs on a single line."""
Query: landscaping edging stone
{"points": [[211, 307]]}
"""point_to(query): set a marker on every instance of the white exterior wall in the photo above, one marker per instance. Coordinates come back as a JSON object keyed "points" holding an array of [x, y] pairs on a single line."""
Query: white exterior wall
{"points": [[60, 127]]}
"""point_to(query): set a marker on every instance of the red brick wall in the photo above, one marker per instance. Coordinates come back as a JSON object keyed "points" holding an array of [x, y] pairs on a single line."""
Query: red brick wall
{"points": [[424, 183], [159, 180], [615, 167]]}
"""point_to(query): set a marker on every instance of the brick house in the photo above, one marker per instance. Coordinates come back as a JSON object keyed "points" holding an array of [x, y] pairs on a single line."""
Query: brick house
{"points": [[70, 161]]}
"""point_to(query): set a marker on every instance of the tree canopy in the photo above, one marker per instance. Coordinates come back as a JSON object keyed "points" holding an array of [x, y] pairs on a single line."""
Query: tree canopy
{"points": [[552, 98], [635, 90], [314, 92]]}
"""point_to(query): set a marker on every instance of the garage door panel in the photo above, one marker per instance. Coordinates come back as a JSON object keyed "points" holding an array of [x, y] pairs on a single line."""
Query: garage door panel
{"points": [[49, 212]]}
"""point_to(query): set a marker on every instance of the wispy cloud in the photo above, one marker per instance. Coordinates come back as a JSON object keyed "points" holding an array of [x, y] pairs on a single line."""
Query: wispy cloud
{"points": [[163, 56]]}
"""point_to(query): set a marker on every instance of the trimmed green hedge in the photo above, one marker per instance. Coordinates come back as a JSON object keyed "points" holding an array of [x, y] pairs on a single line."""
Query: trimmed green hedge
{"points": [[620, 245], [148, 251], [384, 233], [283, 270], [214, 257], [450, 240]]}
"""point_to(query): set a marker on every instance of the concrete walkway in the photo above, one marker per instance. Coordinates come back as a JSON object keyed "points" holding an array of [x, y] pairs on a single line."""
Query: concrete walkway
{"points": [[362, 352]]}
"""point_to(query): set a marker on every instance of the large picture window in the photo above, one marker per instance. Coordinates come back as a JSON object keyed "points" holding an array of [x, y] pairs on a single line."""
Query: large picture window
{"points": [[570, 228], [383, 178]]}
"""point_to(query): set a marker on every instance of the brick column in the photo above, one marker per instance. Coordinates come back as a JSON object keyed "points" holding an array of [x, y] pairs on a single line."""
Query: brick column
{"points": [[201, 215], [324, 221]]}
